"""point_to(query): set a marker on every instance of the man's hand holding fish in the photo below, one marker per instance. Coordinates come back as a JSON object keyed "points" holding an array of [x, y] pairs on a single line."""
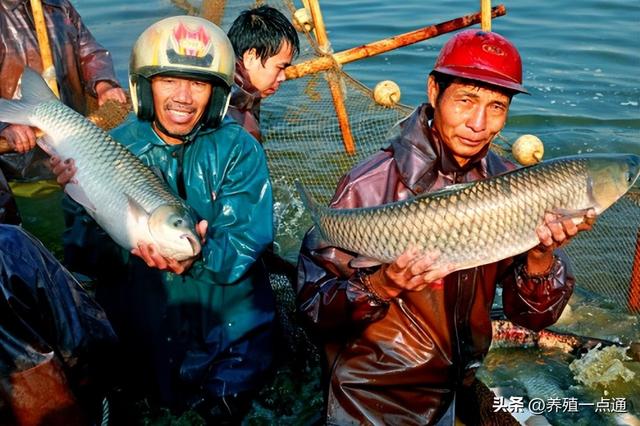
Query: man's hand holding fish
{"points": [[154, 259], [556, 232], [413, 270]]}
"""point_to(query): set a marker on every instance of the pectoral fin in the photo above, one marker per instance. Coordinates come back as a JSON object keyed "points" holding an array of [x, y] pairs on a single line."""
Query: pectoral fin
{"points": [[135, 209], [364, 262], [45, 142], [576, 215], [76, 192]]}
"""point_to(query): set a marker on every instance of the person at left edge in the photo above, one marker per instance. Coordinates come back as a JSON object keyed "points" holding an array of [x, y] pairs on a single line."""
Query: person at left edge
{"points": [[55, 340], [198, 333], [83, 68]]}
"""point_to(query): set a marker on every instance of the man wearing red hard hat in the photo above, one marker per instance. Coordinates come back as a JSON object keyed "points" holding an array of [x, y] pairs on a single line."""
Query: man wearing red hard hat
{"points": [[403, 340]]}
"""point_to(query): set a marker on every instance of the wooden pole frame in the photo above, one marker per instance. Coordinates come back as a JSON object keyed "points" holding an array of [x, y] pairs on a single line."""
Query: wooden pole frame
{"points": [[377, 47], [330, 62], [48, 68], [318, 25], [333, 78], [213, 10], [485, 13]]}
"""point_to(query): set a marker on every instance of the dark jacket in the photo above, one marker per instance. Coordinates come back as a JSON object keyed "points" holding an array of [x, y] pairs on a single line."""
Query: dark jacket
{"points": [[244, 106], [55, 341], [79, 60], [207, 332], [402, 362], [8, 208]]}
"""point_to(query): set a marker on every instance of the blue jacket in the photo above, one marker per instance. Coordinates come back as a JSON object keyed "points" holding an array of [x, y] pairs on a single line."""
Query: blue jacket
{"points": [[209, 330]]}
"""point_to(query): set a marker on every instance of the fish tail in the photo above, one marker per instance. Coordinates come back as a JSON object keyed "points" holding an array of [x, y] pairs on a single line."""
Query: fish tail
{"points": [[309, 202], [34, 92]]}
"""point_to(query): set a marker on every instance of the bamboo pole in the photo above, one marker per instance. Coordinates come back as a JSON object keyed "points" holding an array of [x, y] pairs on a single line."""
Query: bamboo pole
{"points": [[4, 146], [375, 48], [213, 10], [48, 69], [634, 285], [185, 6], [333, 79], [341, 113], [485, 11], [318, 24]]}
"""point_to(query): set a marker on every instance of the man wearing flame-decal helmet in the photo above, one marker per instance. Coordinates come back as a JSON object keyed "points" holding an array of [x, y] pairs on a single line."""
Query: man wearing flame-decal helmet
{"points": [[196, 334], [403, 340]]}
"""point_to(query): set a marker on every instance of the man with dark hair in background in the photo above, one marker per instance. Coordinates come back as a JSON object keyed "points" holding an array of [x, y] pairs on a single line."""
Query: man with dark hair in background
{"points": [[265, 42]]}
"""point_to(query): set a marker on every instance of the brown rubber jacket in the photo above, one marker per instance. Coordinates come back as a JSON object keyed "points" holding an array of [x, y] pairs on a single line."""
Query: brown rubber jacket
{"points": [[402, 362], [79, 60]]}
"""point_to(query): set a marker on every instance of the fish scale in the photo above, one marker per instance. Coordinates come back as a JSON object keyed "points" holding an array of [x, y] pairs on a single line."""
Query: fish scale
{"points": [[105, 154], [124, 196], [479, 222]]}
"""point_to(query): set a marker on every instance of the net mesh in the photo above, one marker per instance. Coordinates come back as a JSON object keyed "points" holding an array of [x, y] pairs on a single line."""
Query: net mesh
{"points": [[603, 259]]}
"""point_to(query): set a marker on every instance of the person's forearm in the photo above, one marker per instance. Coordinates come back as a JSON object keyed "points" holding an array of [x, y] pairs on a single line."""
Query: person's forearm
{"points": [[539, 263]]}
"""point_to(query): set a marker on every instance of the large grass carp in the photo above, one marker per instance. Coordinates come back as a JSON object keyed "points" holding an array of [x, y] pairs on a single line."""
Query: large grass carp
{"points": [[123, 195], [479, 222]]}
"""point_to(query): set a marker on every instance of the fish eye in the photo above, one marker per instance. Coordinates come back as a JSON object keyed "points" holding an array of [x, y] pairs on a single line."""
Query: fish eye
{"points": [[178, 222]]}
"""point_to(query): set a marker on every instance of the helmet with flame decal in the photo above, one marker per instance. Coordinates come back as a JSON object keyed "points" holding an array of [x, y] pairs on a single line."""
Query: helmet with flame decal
{"points": [[182, 46]]}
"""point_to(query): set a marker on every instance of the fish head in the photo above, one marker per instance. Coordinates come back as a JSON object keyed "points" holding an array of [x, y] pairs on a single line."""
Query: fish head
{"points": [[172, 229], [610, 177]]}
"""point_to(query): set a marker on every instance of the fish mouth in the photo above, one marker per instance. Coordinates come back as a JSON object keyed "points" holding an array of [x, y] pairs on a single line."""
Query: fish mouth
{"points": [[633, 162], [193, 242]]}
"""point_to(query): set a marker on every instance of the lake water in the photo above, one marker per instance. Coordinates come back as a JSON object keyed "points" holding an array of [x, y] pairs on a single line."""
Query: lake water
{"points": [[581, 64], [581, 60]]}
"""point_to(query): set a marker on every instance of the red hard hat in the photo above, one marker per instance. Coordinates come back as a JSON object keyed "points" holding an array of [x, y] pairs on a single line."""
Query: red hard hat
{"points": [[482, 56]]}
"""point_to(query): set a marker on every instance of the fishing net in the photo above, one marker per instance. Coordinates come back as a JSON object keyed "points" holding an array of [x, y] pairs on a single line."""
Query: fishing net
{"points": [[603, 259], [108, 115]]}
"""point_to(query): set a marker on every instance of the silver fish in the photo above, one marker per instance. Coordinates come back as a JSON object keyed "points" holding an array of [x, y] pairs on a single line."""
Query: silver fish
{"points": [[123, 195], [479, 222]]}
